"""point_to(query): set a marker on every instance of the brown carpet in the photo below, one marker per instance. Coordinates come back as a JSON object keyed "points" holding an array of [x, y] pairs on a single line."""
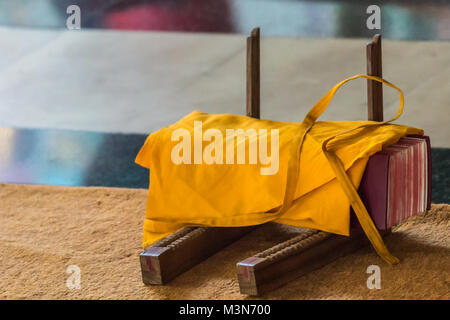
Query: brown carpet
{"points": [[44, 229]]}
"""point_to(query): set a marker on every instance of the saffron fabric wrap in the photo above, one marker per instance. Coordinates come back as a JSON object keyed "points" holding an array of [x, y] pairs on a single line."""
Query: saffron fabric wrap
{"points": [[321, 164]]}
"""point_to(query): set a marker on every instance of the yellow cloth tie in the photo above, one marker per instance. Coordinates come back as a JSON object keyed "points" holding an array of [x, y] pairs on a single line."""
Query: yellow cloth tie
{"points": [[358, 206]]}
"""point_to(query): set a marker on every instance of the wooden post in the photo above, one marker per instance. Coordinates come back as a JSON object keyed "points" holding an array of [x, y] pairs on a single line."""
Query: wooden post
{"points": [[374, 89], [253, 74]]}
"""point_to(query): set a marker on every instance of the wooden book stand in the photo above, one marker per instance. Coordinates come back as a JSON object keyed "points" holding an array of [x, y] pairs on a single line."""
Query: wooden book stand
{"points": [[266, 270]]}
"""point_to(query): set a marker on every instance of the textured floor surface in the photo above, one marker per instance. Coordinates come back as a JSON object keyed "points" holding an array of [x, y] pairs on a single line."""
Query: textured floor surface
{"points": [[45, 229]]}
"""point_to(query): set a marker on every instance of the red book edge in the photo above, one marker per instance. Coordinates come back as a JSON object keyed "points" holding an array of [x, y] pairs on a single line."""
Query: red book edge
{"points": [[427, 140]]}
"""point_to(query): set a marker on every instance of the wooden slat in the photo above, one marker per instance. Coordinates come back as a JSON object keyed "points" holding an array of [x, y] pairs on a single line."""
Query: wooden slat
{"points": [[253, 74], [293, 258], [374, 89], [180, 251]]}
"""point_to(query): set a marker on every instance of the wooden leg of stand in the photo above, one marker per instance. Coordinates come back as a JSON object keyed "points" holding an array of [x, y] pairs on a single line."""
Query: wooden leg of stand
{"points": [[291, 259], [180, 251]]}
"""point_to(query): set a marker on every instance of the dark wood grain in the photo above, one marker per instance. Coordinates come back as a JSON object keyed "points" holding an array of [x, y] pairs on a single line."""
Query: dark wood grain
{"points": [[253, 74], [293, 258], [180, 251], [374, 88]]}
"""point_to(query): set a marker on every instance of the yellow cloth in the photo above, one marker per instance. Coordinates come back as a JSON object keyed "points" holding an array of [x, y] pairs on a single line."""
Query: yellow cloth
{"points": [[320, 167]]}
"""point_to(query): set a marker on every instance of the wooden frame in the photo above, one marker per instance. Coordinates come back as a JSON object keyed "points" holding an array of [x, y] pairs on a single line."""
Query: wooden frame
{"points": [[271, 268]]}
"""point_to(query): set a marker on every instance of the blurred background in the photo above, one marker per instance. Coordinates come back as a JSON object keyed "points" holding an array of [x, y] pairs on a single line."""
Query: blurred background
{"points": [[401, 19], [76, 105]]}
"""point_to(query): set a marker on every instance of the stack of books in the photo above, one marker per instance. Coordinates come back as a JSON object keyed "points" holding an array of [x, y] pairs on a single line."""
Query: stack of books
{"points": [[397, 182]]}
